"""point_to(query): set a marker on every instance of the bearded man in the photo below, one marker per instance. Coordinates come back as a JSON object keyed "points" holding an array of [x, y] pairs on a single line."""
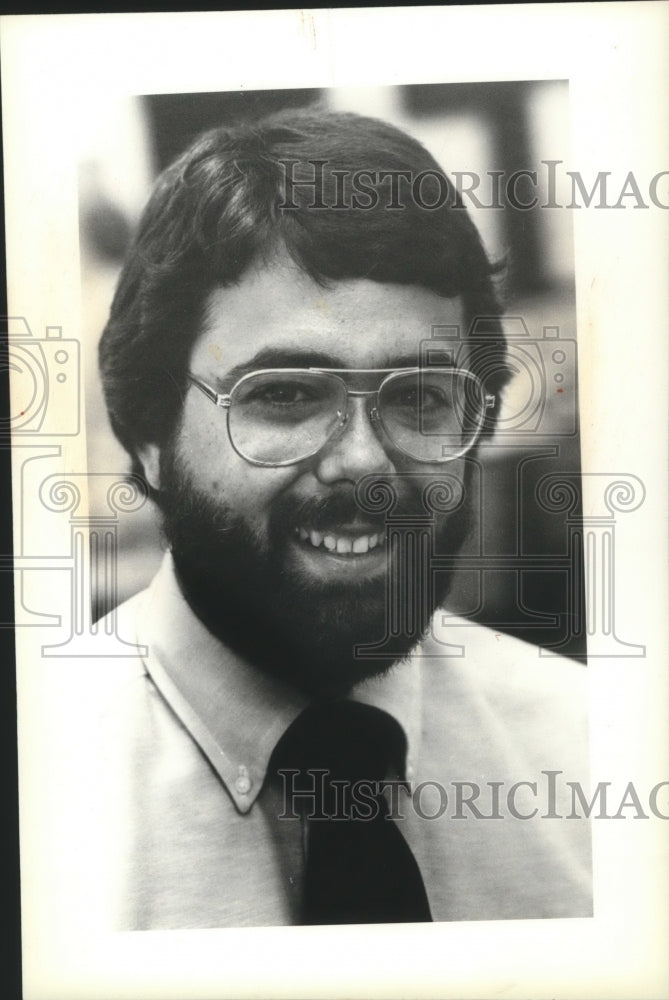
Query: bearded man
{"points": [[285, 754]]}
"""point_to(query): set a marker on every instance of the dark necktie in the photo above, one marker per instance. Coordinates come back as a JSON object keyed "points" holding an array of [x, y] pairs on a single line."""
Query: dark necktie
{"points": [[359, 868]]}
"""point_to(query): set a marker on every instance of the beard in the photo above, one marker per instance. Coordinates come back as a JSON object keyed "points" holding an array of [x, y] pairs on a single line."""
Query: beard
{"points": [[321, 636]]}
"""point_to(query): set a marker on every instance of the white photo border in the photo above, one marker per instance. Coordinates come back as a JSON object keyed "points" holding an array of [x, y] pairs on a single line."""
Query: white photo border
{"points": [[613, 56]]}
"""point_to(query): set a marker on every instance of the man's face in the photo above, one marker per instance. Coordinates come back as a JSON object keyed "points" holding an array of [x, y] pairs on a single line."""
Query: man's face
{"points": [[282, 563]]}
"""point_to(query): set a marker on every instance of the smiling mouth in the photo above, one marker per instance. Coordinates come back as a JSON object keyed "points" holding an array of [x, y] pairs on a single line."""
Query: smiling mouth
{"points": [[342, 543]]}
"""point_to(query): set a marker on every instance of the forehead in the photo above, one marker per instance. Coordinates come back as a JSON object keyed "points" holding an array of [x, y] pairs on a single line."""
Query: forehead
{"points": [[356, 323]]}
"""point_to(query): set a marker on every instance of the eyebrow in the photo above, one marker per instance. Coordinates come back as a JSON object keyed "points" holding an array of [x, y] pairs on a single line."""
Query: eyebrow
{"points": [[297, 358]]}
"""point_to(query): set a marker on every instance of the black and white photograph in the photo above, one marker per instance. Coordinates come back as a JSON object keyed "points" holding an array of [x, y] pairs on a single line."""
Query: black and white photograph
{"points": [[334, 458]]}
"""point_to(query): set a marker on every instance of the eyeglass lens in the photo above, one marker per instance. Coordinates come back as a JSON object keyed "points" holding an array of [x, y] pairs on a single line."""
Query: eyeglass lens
{"points": [[281, 417]]}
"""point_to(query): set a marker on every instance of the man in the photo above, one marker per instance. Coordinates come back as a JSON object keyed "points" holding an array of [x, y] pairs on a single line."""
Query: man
{"points": [[284, 753]]}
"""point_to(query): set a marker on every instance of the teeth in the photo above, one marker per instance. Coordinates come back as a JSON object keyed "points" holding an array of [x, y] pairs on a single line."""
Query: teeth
{"points": [[342, 544]]}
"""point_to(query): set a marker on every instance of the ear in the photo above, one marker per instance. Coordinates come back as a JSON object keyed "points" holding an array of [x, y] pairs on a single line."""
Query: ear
{"points": [[149, 455]]}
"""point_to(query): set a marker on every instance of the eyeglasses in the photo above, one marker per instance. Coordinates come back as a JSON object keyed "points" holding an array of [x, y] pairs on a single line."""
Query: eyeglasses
{"points": [[278, 417]]}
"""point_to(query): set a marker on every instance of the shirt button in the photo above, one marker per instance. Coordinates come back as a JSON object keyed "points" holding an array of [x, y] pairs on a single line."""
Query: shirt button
{"points": [[243, 782]]}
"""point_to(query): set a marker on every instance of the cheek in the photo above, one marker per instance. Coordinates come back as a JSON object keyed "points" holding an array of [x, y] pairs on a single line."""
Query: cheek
{"points": [[217, 470], [444, 486]]}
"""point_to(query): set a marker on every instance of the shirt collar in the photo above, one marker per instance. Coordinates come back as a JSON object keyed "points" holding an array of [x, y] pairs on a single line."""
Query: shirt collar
{"points": [[235, 712]]}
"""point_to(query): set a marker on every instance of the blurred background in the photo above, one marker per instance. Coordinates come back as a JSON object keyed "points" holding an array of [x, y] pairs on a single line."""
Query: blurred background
{"points": [[491, 130]]}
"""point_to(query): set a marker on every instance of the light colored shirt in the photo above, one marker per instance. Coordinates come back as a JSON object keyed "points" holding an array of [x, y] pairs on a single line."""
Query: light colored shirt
{"points": [[169, 818]]}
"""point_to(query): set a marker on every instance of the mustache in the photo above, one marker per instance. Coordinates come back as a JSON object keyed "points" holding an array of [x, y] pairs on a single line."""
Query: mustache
{"points": [[329, 511]]}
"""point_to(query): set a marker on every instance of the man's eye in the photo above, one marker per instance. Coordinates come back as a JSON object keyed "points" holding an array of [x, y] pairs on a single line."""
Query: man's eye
{"points": [[283, 394], [429, 397], [419, 398]]}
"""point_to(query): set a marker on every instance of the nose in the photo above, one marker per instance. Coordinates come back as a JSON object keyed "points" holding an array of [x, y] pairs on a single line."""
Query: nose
{"points": [[355, 451]]}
